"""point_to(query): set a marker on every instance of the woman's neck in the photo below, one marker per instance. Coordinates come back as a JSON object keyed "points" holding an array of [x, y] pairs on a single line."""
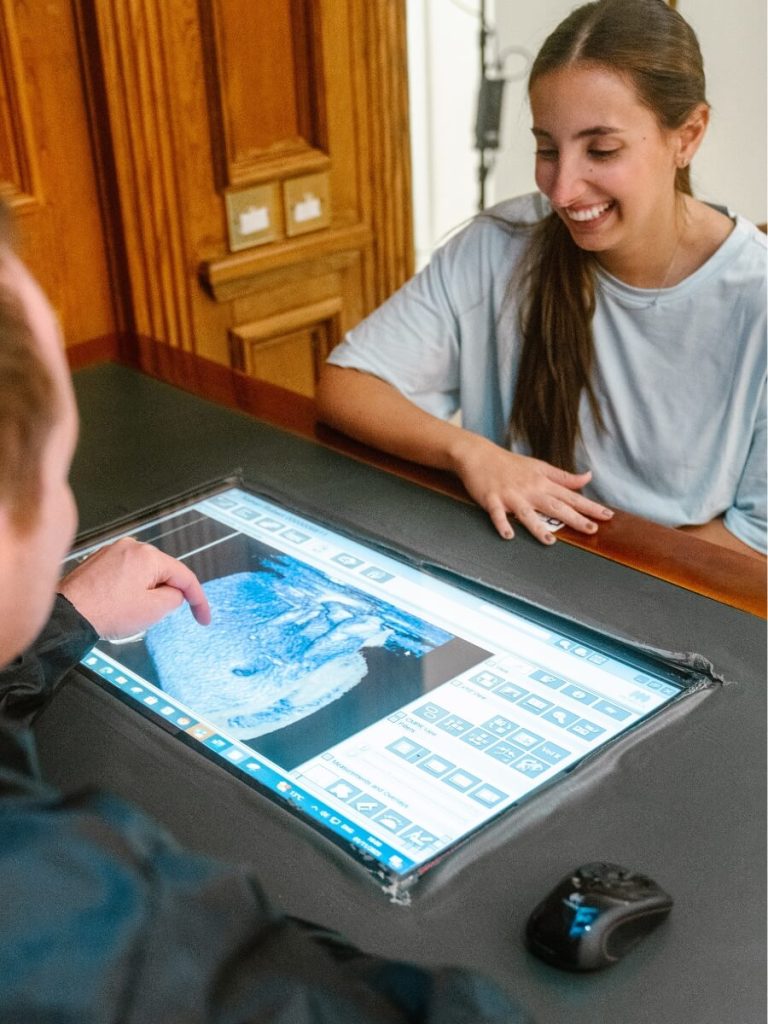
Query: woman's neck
{"points": [[693, 233]]}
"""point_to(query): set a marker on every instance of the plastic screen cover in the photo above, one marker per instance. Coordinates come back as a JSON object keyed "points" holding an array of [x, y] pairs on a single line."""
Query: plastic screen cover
{"points": [[396, 712]]}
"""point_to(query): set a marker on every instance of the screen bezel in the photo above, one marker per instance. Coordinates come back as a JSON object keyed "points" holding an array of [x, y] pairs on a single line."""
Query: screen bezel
{"points": [[680, 676]]}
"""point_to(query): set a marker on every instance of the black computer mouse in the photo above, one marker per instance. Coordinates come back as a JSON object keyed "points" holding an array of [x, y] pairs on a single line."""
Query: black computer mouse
{"points": [[594, 916]]}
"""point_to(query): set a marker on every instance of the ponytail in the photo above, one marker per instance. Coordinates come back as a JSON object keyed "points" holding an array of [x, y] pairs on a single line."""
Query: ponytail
{"points": [[557, 355]]}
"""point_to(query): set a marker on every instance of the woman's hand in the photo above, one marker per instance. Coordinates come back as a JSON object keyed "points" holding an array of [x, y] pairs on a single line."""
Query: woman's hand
{"points": [[505, 484], [501, 482]]}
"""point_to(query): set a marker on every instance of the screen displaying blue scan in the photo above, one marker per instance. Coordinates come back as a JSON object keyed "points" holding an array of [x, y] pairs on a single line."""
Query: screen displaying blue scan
{"points": [[396, 712]]}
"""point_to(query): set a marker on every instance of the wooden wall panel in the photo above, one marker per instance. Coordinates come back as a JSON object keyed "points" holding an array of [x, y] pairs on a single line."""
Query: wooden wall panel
{"points": [[289, 349], [18, 165], [264, 72], [129, 126], [363, 85], [382, 67], [46, 164], [147, 122]]}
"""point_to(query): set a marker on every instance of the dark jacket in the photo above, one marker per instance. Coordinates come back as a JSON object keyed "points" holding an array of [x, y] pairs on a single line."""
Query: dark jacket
{"points": [[104, 918]]}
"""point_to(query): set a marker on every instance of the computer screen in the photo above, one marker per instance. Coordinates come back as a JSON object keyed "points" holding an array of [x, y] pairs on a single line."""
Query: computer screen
{"points": [[397, 712]]}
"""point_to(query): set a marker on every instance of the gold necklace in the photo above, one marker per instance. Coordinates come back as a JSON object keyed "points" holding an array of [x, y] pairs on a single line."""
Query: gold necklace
{"points": [[655, 300]]}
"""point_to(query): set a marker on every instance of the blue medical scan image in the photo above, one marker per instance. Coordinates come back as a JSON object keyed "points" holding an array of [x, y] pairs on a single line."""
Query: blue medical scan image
{"points": [[283, 643], [294, 661]]}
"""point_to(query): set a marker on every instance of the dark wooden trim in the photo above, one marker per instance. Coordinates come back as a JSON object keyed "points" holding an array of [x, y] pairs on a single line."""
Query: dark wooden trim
{"points": [[94, 91], [109, 348]]}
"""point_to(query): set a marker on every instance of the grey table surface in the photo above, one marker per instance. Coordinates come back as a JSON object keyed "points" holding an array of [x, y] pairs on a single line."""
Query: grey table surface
{"points": [[683, 801]]}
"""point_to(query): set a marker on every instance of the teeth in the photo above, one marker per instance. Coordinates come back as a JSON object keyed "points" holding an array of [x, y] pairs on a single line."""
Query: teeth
{"points": [[589, 214]]}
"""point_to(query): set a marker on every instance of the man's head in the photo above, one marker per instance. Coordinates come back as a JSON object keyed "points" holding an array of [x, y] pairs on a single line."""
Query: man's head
{"points": [[38, 431]]}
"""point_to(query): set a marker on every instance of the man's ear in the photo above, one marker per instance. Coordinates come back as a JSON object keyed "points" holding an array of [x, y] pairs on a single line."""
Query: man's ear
{"points": [[690, 134], [9, 533], [13, 526], [6, 520]]}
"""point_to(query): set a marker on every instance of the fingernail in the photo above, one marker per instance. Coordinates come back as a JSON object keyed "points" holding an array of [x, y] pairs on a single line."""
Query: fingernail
{"points": [[548, 538], [508, 535], [591, 527], [608, 512]]}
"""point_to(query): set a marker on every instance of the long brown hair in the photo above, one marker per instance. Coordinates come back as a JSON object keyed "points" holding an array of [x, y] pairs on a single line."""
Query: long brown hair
{"points": [[654, 48]]}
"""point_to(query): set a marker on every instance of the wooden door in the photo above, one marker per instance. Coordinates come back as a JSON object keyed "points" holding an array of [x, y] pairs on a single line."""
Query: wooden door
{"points": [[47, 170]]}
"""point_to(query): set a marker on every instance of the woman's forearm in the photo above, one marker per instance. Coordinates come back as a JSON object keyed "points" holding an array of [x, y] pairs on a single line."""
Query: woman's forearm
{"points": [[376, 413], [502, 482]]}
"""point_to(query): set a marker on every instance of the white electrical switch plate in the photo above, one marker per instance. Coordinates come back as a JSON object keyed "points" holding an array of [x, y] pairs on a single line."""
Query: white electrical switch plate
{"points": [[254, 218], [307, 203], [254, 215], [308, 209]]}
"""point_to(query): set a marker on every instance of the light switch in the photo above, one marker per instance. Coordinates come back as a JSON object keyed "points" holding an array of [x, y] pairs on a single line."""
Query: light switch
{"points": [[310, 208], [254, 216], [307, 203]]}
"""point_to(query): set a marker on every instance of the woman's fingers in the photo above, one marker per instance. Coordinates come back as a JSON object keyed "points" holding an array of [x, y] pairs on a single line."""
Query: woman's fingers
{"points": [[535, 525], [568, 514], [497, 510], [587, 507], [507, 484], [553, 501]]}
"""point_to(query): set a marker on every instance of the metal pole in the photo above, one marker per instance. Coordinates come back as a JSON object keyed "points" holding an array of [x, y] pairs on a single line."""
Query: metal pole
{"points": [[482, 170]]}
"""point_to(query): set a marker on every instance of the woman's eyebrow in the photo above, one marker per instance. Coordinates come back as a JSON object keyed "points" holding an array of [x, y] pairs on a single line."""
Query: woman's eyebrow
{"points": [[599, 129]]}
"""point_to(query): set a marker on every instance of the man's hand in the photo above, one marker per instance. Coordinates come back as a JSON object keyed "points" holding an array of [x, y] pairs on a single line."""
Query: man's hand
{"points": [[126, 587]]}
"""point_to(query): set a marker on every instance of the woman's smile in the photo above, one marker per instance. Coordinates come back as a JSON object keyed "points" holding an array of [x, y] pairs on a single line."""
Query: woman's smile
{"points": [[587, 214]]}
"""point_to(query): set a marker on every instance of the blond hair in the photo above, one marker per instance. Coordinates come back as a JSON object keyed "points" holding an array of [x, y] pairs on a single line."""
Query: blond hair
{"points": [[28, 401]]}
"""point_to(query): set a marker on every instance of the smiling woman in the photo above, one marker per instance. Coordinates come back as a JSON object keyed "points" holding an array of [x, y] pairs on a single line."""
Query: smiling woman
{"points": [[611, 323]]}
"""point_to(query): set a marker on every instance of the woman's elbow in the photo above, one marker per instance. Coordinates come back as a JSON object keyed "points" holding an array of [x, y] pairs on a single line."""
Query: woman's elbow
{"points": [[332, 393], [325, 391]]}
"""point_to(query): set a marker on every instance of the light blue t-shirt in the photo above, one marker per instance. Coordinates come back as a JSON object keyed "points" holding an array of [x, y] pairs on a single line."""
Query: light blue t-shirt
{"points": [[680, 373]]}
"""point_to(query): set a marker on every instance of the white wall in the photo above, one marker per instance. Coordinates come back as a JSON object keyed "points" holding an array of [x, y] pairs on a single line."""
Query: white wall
{"points": [[444, 72], [443, 63], [731, 165]]}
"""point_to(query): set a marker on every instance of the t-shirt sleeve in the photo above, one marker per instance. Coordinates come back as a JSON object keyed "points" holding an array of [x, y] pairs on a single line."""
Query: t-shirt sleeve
{"points": [[412, 340], [747, 517]]}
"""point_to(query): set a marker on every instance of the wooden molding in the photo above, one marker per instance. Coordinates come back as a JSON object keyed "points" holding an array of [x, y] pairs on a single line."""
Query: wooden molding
{"points": [[145, 110], [290, 136], [288, 322], [19, 177], [384, 134], [96, 110], [241, 273], [292, 160], [109, 348], [289, 347]]}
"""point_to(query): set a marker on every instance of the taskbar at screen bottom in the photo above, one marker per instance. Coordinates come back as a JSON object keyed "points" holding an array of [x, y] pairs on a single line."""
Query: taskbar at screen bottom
{"points": [[370, 848], [403, 791]]}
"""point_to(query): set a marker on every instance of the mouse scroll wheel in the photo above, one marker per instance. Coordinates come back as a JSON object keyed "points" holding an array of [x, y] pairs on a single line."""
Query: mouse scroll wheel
{"points": [[591, 872]]}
